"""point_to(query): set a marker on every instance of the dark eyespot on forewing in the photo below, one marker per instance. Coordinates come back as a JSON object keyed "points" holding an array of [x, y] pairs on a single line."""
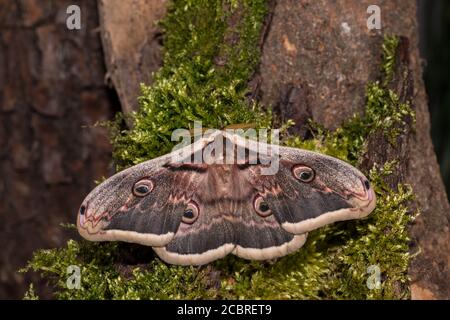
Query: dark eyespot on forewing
{"points": [[143, 187], [303, 173]]}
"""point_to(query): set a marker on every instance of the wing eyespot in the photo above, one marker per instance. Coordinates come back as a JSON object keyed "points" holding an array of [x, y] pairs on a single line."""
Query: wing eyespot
{"points": [[303, 173], [142, 187], [190, 215], [261, 207]]}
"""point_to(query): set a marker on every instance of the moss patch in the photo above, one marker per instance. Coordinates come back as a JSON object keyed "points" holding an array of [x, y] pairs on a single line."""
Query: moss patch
{"points": [[207, 64]]}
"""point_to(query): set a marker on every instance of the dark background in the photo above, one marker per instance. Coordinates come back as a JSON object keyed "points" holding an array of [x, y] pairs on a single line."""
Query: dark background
{"points": [[434, 22]]}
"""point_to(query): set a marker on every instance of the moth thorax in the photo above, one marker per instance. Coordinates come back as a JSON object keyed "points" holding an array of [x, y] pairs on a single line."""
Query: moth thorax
{"points": [[224, 151]]}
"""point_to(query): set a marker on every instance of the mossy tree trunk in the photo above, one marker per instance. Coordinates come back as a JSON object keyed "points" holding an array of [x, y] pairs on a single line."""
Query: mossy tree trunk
{"points": [[317, 58]]}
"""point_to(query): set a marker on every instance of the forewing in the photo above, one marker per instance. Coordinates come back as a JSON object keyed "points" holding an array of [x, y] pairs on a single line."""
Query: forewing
{"points": [[113, 212]]}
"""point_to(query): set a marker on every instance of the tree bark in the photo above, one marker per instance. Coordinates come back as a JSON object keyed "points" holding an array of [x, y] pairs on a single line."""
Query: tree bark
{"points": [[51, 93], [132, 44]]}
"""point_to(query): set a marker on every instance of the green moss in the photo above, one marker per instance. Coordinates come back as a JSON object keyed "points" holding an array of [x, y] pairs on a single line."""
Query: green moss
{"points": [[390, 45], [207, 65], [31, 294]]}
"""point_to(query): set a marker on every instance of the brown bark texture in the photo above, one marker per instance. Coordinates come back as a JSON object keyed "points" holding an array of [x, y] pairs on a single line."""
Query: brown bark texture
{"points": [[132, 42], [51, 93]]}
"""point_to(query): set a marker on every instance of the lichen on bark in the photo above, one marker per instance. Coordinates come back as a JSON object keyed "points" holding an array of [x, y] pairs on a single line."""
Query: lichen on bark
{"points": [[207, 65]]}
